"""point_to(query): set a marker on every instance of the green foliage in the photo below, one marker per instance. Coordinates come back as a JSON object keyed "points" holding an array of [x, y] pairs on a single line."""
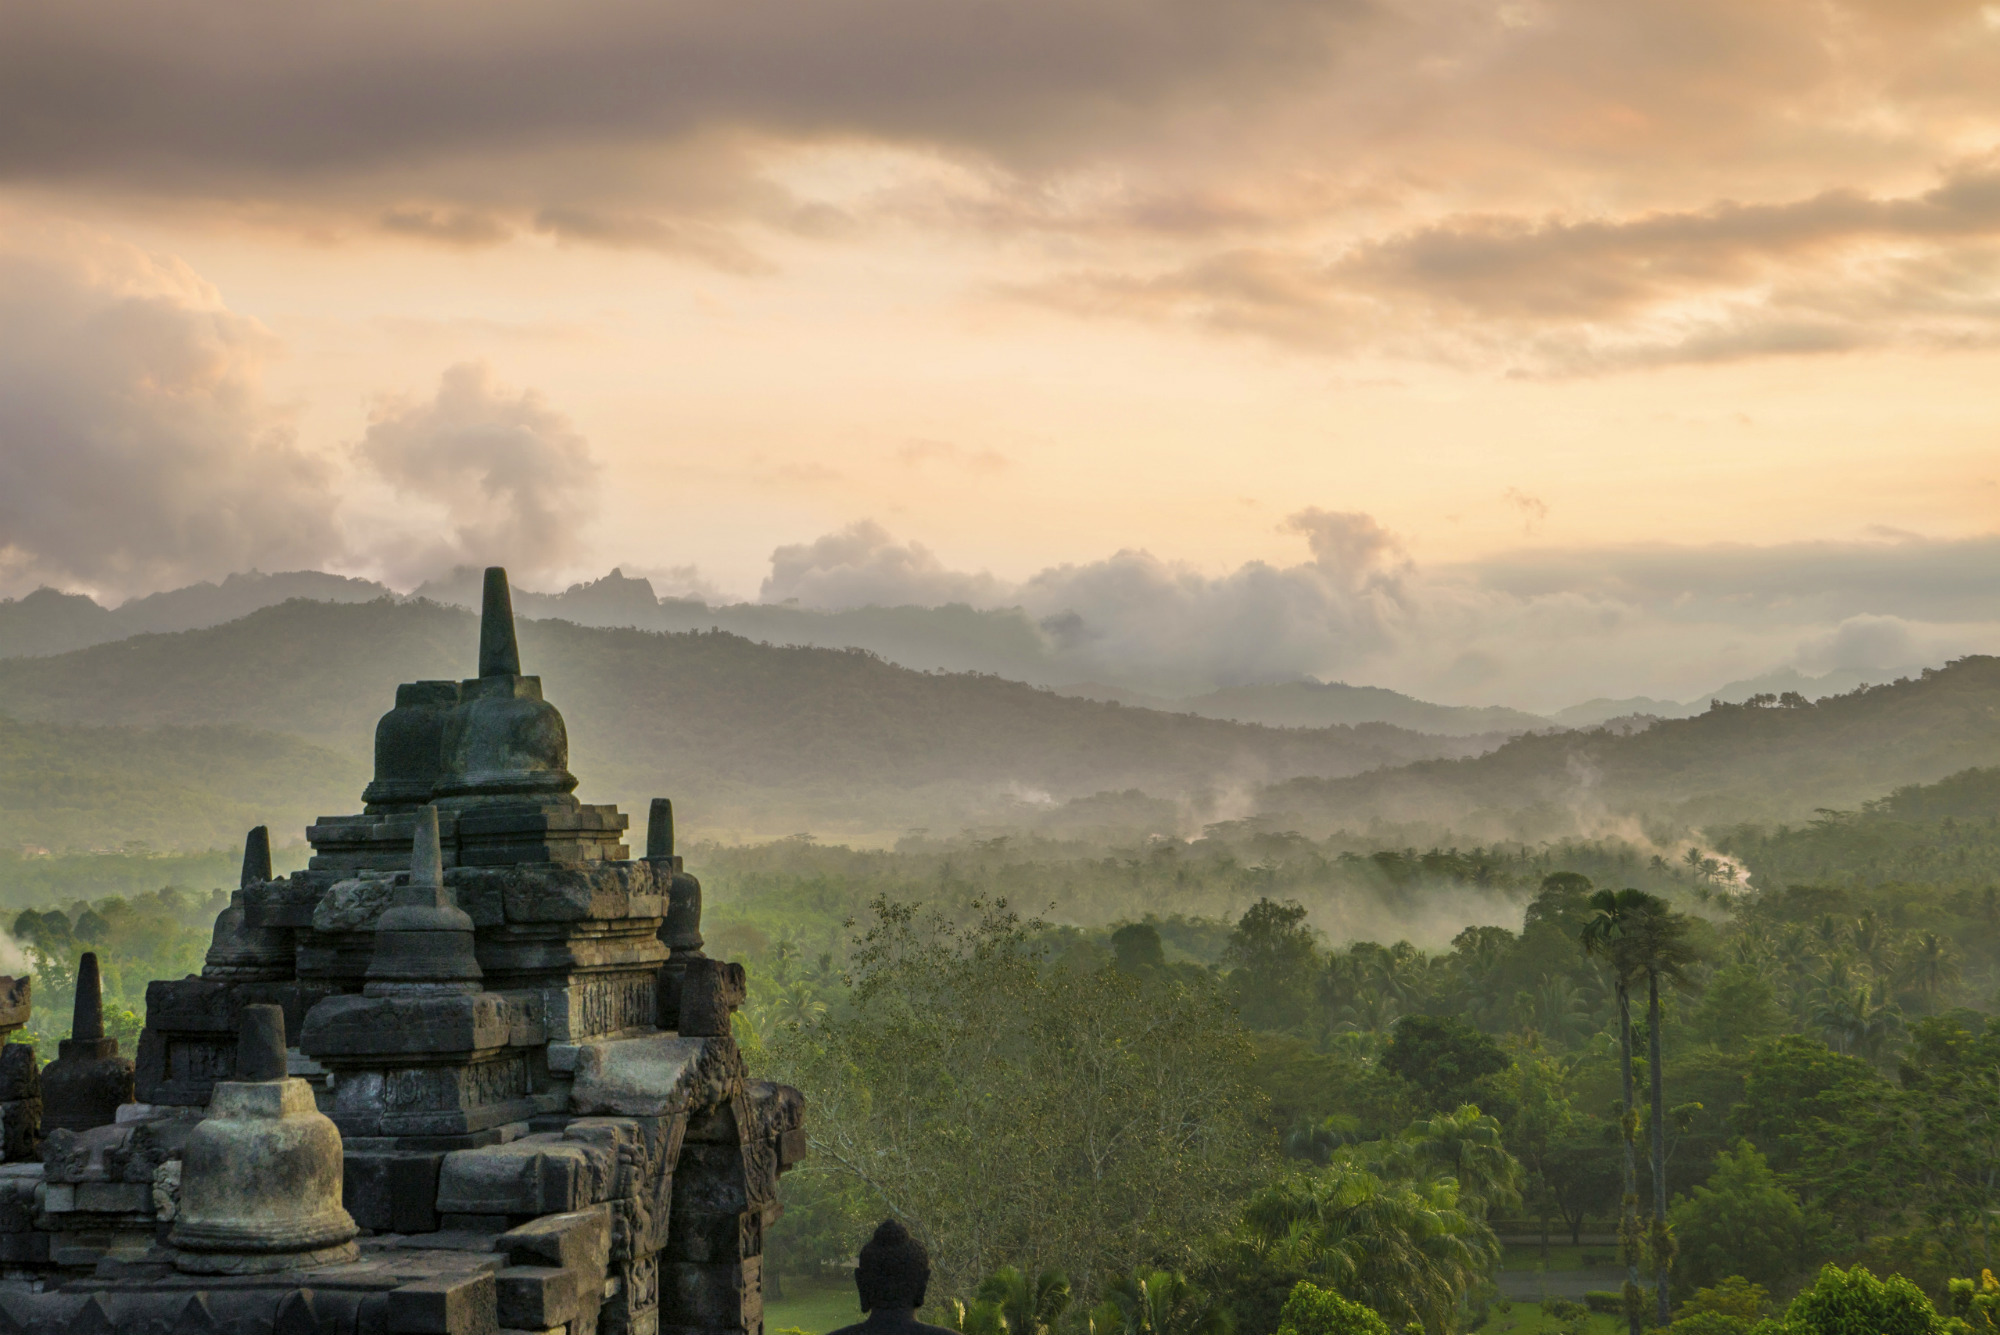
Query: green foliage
{"points": [[1311, 1310], [1855, 1302], [1404, 1248], [1104, 1121], [67, 788], [1158, 1302], [1025, 1306], [1444, 1059], [1742, 1222]]}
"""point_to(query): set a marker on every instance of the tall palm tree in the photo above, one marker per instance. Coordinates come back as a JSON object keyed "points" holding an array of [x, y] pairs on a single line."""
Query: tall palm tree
{"points": [[1612, 914], [1654, 944], [1645, 938]]}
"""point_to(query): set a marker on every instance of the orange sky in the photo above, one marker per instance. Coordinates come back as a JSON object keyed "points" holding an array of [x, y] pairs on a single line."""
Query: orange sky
{"points": [[1026, 282]]}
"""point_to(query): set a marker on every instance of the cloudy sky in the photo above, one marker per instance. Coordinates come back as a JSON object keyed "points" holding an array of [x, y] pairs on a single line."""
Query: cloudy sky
{"points": [[1450, 339]]}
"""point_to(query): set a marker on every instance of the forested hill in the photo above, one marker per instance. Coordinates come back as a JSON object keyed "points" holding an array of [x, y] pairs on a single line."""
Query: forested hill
{"points": [[751, 738], [1762, 761]]}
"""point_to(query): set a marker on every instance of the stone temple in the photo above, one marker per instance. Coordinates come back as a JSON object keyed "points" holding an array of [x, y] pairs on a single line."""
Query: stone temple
{"points": [[468, 1072]]}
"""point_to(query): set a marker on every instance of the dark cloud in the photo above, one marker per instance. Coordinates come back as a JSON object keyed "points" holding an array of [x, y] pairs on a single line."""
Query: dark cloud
{"points": [[513, 479], [226, 90], [1831, 273], [136, 447]]}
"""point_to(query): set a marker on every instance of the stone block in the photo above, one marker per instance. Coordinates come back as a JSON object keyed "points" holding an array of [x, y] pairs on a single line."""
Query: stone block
{"points": [[712, 1295], [426, 1100], [454, 1022], [634, 1307], [711, 991], [657, 1075], [24, 1248], [58, 1198], [20, 1075], [392, 1191], [451, 1305], [538, 1174], [714, 1239], [578, 1241], [115, 1197], [16, 1003], [537, 1297], [605, 1004], [564, 892], [20, 1128], [710, 1179]]}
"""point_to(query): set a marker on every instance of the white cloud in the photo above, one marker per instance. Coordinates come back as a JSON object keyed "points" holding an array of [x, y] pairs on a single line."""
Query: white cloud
{"points": [[137, 446], [512, 479]]}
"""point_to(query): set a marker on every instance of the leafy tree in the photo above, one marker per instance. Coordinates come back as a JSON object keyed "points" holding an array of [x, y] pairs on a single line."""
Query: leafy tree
{"points": [[1311, 1310], [1443, 1058], [1405, 1249], [1739, 1008], [1273, 959], [1848, 1302], [1742, 1222], [1106, 1120]]}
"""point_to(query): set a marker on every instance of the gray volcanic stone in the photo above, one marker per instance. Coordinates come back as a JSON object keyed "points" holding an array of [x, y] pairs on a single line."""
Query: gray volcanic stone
{"points": [[260, 1182], [84, 1086]]}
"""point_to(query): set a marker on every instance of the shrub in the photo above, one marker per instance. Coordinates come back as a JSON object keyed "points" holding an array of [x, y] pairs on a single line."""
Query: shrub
{"points": [[1312, 1310], [1854, 1302]]}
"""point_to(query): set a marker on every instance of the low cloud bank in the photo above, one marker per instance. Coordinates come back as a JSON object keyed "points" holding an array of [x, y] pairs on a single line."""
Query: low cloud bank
{"points": [[1539, 630]]}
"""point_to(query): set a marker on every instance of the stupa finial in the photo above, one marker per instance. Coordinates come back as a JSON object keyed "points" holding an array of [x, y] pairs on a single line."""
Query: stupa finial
{"points": [[499, 653], [426, 856], [87, 1020], [660, 829], [256, 857]]}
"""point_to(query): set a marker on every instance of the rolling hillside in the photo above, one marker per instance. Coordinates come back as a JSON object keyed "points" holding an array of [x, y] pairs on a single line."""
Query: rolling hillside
{"points": [[749, 738], [1730, 764]]}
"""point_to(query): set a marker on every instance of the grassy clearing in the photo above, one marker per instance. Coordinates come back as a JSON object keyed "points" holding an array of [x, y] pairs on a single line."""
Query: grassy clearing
{"points": [[1530, 1319], [815, 1306], [1559, 1258]]}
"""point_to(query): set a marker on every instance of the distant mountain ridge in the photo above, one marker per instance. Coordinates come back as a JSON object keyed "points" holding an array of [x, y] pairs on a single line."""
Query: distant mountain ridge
{"points": [[749, 738], [1319, 704], [1839, 681], [1731, 763]]}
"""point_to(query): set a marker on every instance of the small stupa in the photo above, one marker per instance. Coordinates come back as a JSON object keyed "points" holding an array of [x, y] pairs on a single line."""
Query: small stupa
{"points": [[84, 1086], [260, 1183]]}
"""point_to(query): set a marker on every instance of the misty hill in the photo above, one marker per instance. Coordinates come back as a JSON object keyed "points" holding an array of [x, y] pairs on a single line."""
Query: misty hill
{"points": [[68, 786], [50, 622], [749, 738], [1775, 682], [1730, 764], [1315, 704], [953, 638]]}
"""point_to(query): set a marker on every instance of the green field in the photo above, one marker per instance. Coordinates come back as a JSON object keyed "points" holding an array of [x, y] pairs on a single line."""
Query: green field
{"points": [[1530, 1319], [1559, 1258], [815, 1306]]}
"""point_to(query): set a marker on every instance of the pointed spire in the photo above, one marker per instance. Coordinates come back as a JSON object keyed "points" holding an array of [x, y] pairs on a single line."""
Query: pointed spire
{"points": [[660, 829], [499, 655], [88, 1019], [426, 855], [260, 1044], [256, 857]]}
